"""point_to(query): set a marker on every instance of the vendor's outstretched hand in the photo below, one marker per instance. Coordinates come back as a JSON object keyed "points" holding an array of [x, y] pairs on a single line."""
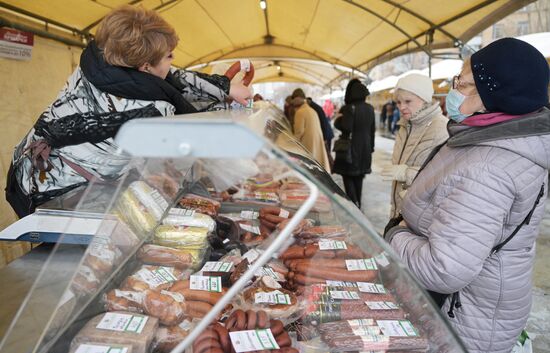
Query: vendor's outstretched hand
{"points": [[395, 172], [239, 93]]}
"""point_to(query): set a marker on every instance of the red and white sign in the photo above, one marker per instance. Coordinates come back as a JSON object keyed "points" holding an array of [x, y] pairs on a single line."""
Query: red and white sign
{"points": [[16, 44]]}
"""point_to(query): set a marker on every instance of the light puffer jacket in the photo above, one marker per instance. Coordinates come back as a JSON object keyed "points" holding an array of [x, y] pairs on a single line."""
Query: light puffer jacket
{"points": [[469, 198], [414, 142]]}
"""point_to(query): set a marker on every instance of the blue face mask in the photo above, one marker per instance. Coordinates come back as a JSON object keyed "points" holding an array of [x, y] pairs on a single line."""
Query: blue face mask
{"points": [[453, 102]]}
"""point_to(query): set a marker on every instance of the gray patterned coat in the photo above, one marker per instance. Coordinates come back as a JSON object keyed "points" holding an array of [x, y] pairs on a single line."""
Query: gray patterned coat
{"points": [[468, 199], [82, 109]]}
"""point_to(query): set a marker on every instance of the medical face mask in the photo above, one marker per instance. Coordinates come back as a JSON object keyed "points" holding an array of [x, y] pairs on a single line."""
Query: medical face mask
{"points": [[453, 103]]}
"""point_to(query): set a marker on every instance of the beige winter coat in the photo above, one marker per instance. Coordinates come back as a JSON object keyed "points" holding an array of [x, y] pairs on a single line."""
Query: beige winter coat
{"points": [[307, 130], [414, 142]]}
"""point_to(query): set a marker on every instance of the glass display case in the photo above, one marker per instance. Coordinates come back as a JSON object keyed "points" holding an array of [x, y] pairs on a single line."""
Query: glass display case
{"points": [[223, 236]]}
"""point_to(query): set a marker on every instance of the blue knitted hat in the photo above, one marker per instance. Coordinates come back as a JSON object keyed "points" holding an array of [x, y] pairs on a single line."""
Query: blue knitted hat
{"points": [[511, 76]]}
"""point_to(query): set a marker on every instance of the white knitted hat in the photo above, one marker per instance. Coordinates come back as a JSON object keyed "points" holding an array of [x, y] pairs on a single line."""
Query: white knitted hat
{"points": [[417, 84]]}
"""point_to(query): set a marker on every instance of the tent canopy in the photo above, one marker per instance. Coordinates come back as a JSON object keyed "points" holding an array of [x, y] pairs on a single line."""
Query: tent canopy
{"points": [[349, 35]]}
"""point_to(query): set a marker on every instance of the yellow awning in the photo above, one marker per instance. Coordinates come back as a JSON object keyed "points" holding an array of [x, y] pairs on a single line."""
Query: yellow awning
{"points": [[347, 34]]}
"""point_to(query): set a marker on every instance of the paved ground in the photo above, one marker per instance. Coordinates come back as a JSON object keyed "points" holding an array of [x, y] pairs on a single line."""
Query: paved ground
{"points": [[376, 206]]}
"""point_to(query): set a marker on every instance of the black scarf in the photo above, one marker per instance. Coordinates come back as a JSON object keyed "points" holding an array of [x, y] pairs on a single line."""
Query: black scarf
{"points": [[130, 83]]}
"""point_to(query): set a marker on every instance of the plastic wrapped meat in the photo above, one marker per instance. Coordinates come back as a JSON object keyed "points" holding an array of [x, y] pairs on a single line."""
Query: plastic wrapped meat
{"points": [[152, 277], [164, 256], [94, 347], [189, 218], [200, 204], [119, 328]]}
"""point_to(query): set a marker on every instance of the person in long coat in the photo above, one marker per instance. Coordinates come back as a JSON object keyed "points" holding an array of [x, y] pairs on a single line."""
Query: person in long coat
{"points": [[356, 121], [307, 128], [471, 217], [422, 128]]}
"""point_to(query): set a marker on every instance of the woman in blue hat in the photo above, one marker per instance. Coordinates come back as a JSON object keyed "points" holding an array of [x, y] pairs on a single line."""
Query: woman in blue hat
{"points": [[471, 217]]}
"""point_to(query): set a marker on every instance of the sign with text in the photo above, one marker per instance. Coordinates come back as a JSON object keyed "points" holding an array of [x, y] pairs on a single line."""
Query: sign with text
{"points": [[16, 44]]}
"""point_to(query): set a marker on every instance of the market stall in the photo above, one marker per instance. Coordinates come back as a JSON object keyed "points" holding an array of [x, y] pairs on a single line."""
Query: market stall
{"points": [[223, 237]]}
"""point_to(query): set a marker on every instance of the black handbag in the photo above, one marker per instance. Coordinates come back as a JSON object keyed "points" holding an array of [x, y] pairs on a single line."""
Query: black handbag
{"points": [[342, 147]]}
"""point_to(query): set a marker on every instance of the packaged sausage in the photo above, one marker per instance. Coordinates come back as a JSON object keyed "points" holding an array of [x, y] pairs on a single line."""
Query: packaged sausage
{"points": [[85, 280], [119, 328], [123, 300], [102, 257], [189, 218], [168, 307], [168, 337], [134, 213], [200, 204], [152, 277], [165, 184], [164, 256], [295, 198], [94, 347]]}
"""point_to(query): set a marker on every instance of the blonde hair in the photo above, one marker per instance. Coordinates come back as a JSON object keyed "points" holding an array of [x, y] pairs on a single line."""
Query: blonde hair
{"points": [[132, 36]]}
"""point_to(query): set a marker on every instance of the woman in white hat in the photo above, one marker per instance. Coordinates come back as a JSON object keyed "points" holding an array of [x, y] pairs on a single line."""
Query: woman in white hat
{"points": [[423, 127]]}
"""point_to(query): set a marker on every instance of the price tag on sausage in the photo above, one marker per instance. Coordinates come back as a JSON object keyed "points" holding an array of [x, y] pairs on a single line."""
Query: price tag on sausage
{"points": [[181, 212], [249, 214], [367, 287], [332, 245], [340, 283], [249, 228], [251, 255], [361, 264], [275, 297], [284, 213], [206, 283], [217, 266], [253, 340], [156, 277], [361, 322], [397, 328], [365, 330], [381, 305], [92, 348], [122, 322], [268, 271], [344, 294]]}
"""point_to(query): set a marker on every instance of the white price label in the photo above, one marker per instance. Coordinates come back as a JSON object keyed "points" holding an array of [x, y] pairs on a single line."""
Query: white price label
{"points": [[397, 328], [382, 260], [253, 340], [284, 213], [332, 245], [159, 199], [340, 284], [217, 266], [361, 265], [251, 255], [225, 241], [249, 228], [275, 297], [382, 305], [206, 283], [367, 287], [361, 322], [122, 322], [249, 214], [181, 212], [92, 348], [374, 338], [156, 277], [365, 330], [344, 294], [268, 271]]}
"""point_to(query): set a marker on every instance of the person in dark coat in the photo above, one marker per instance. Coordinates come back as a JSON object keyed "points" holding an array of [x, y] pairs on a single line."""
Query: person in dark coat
{"points": [[328, 134], [356, 118]]}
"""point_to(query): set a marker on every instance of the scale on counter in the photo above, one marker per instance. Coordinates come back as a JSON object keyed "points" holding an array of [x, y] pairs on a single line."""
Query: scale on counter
{"points": [[57, 220], [53, 226]]}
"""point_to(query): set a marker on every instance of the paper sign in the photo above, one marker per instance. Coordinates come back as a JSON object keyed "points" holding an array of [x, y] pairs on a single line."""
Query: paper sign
{"points": [[217, 266], [332, 245], [253, 340], [397, 328], [275, 297], [361, 265], [344, 294], [122, 322], [206, 283], [367, 287], [382, 305]]}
